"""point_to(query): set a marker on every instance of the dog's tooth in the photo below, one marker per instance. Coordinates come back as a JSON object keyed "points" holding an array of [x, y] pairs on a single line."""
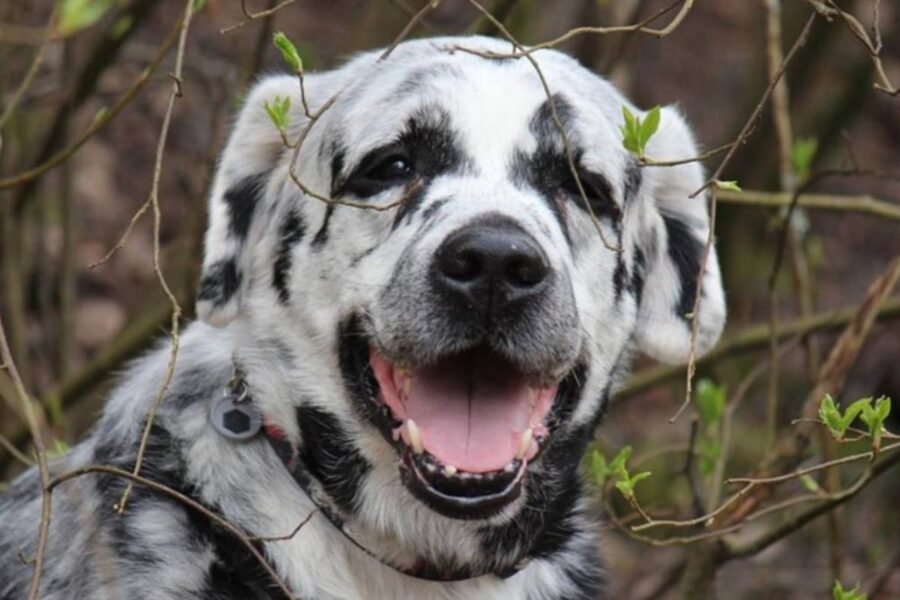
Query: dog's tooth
{"points": [[524, 443], [415, 438], [510, 467], [407, 386], [449, 470]]}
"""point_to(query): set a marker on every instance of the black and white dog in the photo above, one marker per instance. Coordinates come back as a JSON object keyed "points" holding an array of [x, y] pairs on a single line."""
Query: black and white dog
{"points": [[424, 379]]}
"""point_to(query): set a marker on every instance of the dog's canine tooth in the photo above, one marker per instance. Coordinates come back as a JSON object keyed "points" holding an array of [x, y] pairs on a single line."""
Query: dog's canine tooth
{"points": [[524, 443], [406, 388], [449, 470], [415, 438]]}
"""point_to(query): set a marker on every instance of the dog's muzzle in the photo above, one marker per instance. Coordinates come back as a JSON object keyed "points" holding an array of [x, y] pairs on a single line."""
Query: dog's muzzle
{"points": [[464, 375]]}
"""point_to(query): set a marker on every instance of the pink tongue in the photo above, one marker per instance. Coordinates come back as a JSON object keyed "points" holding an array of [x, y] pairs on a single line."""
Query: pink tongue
{"points": [[470, 411]]}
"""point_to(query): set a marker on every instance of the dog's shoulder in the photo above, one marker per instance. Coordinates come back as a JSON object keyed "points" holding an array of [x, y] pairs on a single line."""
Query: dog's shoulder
{"points": [[156, 546]]}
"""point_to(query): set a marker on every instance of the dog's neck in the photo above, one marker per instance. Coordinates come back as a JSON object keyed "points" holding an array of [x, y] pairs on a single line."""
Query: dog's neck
{"points": [[238, 399]]}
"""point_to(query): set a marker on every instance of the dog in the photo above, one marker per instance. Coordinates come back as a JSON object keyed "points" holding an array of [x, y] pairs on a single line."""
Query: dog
{"points": [[408, 334]]}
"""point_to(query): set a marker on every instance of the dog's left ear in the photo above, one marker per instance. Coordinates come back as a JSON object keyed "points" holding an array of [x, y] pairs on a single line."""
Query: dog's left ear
{"points": [[253, 150], [673, 248]]}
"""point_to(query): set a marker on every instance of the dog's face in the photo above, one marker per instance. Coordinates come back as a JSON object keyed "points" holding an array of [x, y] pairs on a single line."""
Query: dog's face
{"points": [[457, 348]]}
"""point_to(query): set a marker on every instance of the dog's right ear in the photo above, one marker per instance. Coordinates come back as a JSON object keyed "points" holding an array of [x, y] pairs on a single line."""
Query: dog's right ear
{"points": [[253, 150]]}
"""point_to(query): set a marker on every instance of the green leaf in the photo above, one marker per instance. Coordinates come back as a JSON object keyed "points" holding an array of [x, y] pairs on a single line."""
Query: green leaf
{"points": [[853, 411], [279, 111], [731, 186], [617, 464], [710, 401], [640, 477], [830, 415], [839, 593], [288, 51], [121, 26], [649, 126], [809, 483], [101, 113], [58, 448], [708, 451], [883, 408], [626, 484], [636, 132], [79, 14], [599, 468], [874, 418], [802, 155]]}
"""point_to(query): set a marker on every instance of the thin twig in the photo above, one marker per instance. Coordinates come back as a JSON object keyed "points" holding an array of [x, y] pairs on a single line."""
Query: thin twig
{"points": [[153, 201], [837, 203], [713, 181], [43, 470], [252, 16], [870, 455], [641, 27], [15, 452]]}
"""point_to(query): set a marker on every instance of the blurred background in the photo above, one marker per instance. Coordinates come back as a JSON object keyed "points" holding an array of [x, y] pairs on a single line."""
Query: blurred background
{"points": [[71, 327]]}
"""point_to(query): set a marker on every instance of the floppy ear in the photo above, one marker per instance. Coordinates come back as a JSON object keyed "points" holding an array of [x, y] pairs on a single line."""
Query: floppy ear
{"points": [[679, 227], [253, 150]]}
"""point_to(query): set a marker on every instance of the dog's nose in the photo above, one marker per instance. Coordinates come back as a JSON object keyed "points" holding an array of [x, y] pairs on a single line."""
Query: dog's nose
{"points": [[492, 265]]}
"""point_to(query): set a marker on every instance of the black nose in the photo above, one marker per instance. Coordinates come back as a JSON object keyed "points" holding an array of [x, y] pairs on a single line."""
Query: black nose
{"points": [[492, 265]]}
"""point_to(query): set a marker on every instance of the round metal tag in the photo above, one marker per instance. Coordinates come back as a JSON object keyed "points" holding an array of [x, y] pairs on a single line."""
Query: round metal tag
{"points": [[235, 420]]}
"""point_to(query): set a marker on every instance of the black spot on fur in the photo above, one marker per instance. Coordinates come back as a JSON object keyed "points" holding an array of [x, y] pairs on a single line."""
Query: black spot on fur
{"points": [[337, 165], [544, 126], [637, 274], [414, 198], [543, 171], [241, 199], [685, 250], [619, 276], [219, 282], [235, 572], [289, 234], [330, 456], [423, 77], [321, 236], [548, 170], [633, 178], [432, 210]]}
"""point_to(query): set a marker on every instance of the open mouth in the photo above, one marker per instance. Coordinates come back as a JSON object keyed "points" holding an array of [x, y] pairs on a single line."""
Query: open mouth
{"points": [[467, 427]]}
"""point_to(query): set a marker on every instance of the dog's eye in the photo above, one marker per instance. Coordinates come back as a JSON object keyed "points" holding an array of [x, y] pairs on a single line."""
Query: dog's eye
{"points": [[596, 189], [392, 168]]}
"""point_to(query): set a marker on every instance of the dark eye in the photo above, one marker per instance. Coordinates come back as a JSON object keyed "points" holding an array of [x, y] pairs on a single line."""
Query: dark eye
{"points": [[392, 168], [596, 189]]}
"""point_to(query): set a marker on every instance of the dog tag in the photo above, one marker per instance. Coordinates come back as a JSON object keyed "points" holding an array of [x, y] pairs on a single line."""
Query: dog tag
{"points": [[235, 420]]}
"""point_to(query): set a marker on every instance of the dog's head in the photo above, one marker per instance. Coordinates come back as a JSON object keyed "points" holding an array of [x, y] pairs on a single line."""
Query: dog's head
{"points": [[436, 359]]}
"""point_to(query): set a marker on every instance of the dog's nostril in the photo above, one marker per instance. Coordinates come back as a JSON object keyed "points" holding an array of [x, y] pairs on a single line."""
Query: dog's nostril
{"points": [[464, 265], [526, 269]]}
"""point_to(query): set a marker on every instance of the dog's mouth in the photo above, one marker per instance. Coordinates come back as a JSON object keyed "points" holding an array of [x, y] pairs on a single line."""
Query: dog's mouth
{"points": [[466, 426]]}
